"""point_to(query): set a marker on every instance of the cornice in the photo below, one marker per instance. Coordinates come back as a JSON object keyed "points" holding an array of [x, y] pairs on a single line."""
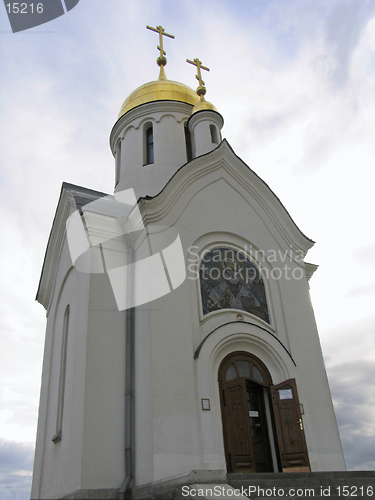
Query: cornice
{"points": [[152, 110], [65, 207], [99, 203], [310, 270], [206, 115]]}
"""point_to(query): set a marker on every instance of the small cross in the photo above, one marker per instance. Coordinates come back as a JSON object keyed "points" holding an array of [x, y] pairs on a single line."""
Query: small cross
{"points": [[161, 31], [199, 66]]}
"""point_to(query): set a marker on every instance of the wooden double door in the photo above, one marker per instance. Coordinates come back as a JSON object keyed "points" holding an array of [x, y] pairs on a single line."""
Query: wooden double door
{"points": [[262, 422]]}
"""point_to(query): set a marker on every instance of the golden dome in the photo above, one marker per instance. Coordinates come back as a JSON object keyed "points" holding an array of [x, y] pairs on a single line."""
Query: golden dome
{"points": [[159, 90], [203, 104]]}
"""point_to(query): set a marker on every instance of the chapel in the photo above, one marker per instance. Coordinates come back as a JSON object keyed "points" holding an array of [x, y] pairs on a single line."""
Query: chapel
{"points": [[180, 341]]}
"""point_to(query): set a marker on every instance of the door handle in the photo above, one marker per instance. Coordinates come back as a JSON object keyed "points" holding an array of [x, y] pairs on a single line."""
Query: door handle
{"points": [[300, 424]]}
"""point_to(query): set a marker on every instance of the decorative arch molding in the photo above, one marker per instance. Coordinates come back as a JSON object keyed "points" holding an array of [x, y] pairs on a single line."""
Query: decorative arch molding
{"points": [[127, 131], [199, 348], [157, 109], [247, 337], [279, 363], [169, 115], [149, 118]]}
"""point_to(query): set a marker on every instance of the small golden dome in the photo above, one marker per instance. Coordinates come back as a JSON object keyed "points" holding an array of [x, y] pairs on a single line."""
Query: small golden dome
{"points": [[203, 104], [159, 90]]}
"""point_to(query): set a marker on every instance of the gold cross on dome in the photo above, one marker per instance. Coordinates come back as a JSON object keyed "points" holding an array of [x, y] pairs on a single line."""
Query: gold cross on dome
{"points": [[161, 31], [199, 66]]}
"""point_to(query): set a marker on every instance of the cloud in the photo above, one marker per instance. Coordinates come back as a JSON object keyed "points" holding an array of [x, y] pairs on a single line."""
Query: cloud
{"points": [[16, 463], [362, 290], [344, 28], [294, 81], [350, 341], [359, 451], [365, 255], [352, 388], [16, 456]]}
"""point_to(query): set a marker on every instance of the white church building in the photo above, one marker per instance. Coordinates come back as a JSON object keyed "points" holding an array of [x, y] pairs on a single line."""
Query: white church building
{"points": [[181, 341]]}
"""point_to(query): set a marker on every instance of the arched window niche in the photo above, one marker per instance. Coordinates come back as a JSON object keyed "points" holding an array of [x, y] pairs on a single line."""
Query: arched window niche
{"points": [[189, 150], [148, 149], [61, 391], [214, 134], [118, 162], [229, 280]]}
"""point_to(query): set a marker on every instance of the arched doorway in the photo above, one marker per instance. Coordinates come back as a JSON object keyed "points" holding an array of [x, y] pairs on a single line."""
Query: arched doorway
{"points": [[262, 423], [247, 422]]}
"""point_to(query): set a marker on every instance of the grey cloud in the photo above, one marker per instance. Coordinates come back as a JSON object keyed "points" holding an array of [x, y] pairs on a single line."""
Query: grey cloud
{"points": [[15, 487], [16, 456], [359, 452], [352, 387], [271, 124], [319, 149], [365, 255], [344, 26], [16, 463], [361, 290], [347, 342]]}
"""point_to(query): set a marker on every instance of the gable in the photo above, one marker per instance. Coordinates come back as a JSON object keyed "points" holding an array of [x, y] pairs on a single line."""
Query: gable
{"points": [[72, 198], [220, 182]]}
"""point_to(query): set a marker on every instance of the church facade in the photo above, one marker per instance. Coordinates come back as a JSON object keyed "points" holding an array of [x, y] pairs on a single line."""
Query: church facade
{"points": [[180, 333]]}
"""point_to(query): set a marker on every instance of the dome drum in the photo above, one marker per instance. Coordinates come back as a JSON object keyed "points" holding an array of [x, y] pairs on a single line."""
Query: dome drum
{"points": [[161, 126], [153, 145], [205, 126]]}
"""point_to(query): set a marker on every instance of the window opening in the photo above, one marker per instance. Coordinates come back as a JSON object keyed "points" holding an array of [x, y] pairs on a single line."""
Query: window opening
{"points": [[257, 375], [149, 145], [231, 373], [189, 151], [214, 136], [118, 162], [243, 368]]}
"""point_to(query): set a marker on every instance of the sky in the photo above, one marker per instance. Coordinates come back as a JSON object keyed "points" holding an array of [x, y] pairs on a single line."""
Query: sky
{"points": [[294, 81]]}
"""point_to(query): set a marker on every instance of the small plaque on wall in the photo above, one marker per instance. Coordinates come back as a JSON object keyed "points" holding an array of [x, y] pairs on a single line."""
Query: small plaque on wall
{"points": [[206, 404]]}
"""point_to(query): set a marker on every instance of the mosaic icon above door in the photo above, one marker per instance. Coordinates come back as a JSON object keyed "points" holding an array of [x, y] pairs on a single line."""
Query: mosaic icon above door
{"points": [[229, 280]]}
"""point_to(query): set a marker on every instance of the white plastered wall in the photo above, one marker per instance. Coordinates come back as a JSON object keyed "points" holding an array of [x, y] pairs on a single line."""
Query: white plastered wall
{"points": [[214, 208], [90, 454], [57, 467]]}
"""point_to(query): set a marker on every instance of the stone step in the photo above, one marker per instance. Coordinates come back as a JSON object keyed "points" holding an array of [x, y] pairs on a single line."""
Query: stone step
{"points": [[355, 485], [348, 484]]}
